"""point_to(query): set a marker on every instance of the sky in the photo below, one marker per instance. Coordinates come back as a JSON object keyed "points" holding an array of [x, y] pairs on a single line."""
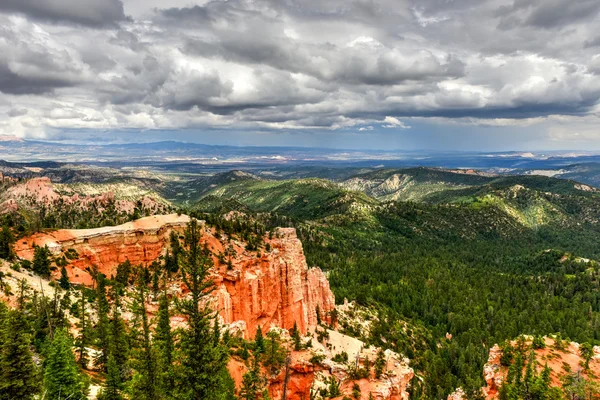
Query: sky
{"points": [[373, 74]]}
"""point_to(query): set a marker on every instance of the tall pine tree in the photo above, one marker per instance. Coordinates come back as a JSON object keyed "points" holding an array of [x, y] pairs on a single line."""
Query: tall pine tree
{"points": [[61, 375], [163, 343], [200, 360], [144, 383], [17, 370]]}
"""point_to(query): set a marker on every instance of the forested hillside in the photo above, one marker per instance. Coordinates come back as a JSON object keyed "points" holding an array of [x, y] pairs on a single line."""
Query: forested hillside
{"points": [[477, 260], [485, 263]]}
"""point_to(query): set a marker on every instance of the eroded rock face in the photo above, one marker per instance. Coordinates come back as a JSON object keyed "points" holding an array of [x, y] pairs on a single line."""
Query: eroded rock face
{"points": [[493, 373], [140, 242], [275, 288]]}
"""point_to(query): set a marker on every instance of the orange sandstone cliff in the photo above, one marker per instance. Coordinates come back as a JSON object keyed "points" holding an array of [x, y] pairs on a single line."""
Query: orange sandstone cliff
{"points": [[275, 288]]}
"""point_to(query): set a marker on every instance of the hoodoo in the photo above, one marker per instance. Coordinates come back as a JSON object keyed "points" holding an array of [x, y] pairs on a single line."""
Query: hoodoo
{"points": [[274, 288]]}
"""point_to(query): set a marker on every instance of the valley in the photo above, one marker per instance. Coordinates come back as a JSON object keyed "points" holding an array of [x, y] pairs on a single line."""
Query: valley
{"points": [[432, 267]]}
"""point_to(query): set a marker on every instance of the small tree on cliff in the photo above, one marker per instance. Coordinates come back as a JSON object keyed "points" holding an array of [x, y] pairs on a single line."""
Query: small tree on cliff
{"points": [[259, 341], [274, 355], [587, 352], [6, 243], [379, 363], [41, 261], [296, 337], [200, 359], [64, 279]]}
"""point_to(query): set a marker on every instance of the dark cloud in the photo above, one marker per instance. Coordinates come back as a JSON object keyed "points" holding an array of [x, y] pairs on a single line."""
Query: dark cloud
{"points": [[556, 13], [94, 13], [14, 83]]}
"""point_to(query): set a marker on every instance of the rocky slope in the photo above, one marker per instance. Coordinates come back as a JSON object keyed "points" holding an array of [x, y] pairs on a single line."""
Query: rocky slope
{"points": [[561, 362], [311, 371], [36, 192]]}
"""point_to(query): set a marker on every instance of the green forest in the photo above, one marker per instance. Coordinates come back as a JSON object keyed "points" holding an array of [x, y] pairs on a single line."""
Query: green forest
{"points": [[486, 264]]}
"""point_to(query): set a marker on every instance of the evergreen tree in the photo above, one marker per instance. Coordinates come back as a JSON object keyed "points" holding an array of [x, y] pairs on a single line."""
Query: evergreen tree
{"points": [[119, 346], [274, 355], [379, 363], [17, 371], [41, 261], [200, 360], [113, 385], [83, 337], [172, 262], [538, 342], [6, 243], [587, 352], [163, 343], [64, 279], [143, 385], [296, 337], [253, 383], [102, 326], [61, 376], [259, 341]]}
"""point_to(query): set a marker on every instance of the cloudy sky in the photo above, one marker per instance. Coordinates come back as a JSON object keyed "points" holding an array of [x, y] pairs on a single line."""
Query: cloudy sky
{"points": [[438, 74]]}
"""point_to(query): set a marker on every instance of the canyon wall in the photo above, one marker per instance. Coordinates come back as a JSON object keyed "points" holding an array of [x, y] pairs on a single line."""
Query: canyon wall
{"points": [[272, 288]]}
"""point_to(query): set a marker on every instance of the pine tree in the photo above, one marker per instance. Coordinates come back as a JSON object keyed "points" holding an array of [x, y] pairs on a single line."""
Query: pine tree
{"points": [[259, 341], [61, 376], [82, 338], [6, 243], [102, 326], [253, 383], [41, 261], [17, 370], [200, 360], [119, 346], [296, 337], [587, 352], [538, 342], [113, 383], [64, 279], [172, 263], [144, 360], [163, 343], [274, 355], [379, 363]]}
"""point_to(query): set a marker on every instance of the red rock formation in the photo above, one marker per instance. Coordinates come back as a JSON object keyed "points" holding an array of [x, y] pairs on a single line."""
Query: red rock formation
{"points": [[36, 191], [277, 288], [556, 360], [493, 373]]}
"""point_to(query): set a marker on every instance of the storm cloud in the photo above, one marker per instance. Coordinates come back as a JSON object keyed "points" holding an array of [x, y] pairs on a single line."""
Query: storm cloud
{"points": [[295, 64]]}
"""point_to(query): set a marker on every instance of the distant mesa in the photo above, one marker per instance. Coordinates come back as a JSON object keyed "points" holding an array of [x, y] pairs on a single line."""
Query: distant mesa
{"points": [[10, 138]]}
